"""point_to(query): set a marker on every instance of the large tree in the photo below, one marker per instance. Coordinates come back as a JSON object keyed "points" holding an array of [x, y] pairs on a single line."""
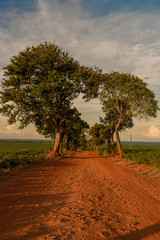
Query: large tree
{"points": [[39, 86], [131, 98], [46, 127]]}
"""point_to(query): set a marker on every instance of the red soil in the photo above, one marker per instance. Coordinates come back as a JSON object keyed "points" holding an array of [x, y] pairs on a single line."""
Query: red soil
{"points": [[85, 196]]}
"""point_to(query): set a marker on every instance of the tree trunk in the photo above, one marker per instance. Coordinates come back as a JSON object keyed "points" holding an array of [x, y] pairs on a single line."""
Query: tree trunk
{"points": [[57, 149], [110, 147], [65, 144], [61, 143], [60, 148], [120, 150], [57, 143], [112, 138]]}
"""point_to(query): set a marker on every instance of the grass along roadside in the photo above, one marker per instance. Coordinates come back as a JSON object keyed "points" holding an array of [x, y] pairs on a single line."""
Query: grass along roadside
{"points": [[147, 155], [143, 154]]}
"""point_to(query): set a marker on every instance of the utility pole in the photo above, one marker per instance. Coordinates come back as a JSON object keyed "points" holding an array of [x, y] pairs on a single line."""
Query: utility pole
{"points": [[130, 141]]}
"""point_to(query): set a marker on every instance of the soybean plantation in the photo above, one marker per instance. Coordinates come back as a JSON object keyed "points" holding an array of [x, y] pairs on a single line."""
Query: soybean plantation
{"points": [[143, 154], [22, 153]]}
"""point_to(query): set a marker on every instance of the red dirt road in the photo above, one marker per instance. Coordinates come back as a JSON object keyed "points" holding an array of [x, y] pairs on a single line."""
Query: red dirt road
{"points": [[83, 197]]}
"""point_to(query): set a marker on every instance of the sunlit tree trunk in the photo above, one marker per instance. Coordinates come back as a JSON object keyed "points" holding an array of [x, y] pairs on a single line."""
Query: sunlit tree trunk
{"points": [[61, 143], [65, 143], [119, 146], [57, 142]]}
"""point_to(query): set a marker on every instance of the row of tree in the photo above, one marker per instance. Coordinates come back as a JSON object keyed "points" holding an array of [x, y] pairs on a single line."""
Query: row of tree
{"points": [[104, 132], [40, 84]]}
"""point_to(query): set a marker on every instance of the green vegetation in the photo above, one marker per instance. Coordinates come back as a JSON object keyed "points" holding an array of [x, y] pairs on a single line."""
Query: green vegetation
{"points": [[38, 87], [41, 83], [108, 149], [131, 98], [98, 135], [141, 154], [22, 153], [124, 97]]}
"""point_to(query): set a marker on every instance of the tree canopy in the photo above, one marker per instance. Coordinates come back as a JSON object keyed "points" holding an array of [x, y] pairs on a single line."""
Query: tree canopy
{"points": [[39, 86], [98, 134], [75, 133], [111, 119], [130, 96]]}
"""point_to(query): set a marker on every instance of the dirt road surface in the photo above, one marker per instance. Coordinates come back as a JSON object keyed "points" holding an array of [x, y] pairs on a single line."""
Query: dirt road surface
{"points": [[84, 197]]}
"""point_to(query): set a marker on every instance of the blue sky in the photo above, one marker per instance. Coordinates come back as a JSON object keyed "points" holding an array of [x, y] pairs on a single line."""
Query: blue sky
{"points": [[103, 7], [116, 35], [96, 8], [17, 5]]}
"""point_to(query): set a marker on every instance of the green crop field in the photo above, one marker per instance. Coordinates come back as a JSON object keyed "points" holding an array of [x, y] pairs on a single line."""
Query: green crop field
{"points": [[22, 153], [142, 154]]}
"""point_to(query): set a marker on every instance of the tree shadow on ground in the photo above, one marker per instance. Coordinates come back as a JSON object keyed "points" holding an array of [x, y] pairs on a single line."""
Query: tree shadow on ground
{"points": [[26, 218], [142, 233]]}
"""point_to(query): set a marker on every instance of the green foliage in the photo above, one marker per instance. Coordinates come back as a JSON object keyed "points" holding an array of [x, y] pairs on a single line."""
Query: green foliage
{"points": [[41, 82], [107, 149], [27, 153], [130, 97], [97, 134], [112, 117], [15, 158], [75, 133], [123, 96], [109, 122], [143, 154], [103, 146], [91, 79], [38, 87], [129, 94]]}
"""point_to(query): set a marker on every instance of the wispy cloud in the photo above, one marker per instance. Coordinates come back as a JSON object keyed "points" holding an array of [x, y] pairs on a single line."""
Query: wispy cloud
{"points": [[125, 42], [12, 131], [153, 132]]}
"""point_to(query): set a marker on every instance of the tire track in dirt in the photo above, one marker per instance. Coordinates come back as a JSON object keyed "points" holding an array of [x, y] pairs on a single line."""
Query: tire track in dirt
{"points": [[82, 197]]}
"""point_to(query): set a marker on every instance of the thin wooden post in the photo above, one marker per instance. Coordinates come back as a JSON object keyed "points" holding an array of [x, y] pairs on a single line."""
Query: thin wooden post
{"points": [[130, 141]]}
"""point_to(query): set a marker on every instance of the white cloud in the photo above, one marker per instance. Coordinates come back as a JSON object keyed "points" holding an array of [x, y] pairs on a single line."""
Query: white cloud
{"points": [[12, 130], [123, 42], [153, 132]]}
